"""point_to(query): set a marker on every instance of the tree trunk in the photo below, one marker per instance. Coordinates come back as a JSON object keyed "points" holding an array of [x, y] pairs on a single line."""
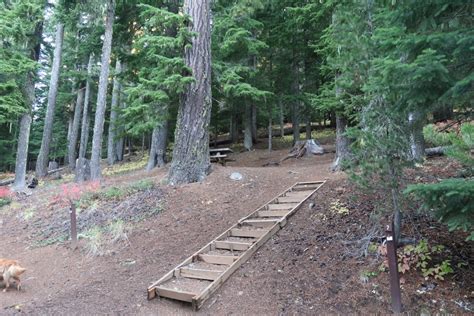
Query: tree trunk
{"points": [[22, 149], [85, 111], [191, 152], [254, 123], [417, 140], [119, 144], [397, 214], [159, 142], [342, 143], [129, 146], [282, 117], [111, 143], [102, 93], [248, 139], [308, 128], [234, 131], [28, 91], [270, 128], [296, 104], [69, 126], [42, 161], [119, 148], [444, 113], [72, 144]]}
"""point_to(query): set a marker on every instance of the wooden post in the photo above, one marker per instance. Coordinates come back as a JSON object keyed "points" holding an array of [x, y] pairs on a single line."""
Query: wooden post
{"points": [[393, 268], [72, 213]]}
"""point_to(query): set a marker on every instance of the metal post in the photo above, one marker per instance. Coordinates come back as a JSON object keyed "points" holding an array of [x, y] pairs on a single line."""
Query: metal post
{"points": [[393, 268], [72, 213]]}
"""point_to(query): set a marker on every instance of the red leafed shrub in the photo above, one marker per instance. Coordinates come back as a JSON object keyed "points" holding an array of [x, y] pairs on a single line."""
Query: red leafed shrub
{"points": [[5, 192], [71, 192]]}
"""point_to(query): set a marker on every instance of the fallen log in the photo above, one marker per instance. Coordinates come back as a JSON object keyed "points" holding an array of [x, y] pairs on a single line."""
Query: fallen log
{"points": [[435, 151], [11, 180], [7, 182]]}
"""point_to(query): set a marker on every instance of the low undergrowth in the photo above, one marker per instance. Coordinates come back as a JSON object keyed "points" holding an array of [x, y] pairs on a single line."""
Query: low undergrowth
{"points": [[104, 215]]}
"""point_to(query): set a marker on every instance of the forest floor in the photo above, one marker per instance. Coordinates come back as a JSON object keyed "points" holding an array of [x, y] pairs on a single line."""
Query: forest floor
{"points": [[137, 228]]}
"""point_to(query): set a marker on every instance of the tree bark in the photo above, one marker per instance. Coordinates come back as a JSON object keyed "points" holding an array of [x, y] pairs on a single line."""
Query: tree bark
{"points": [[102, 93], [42, 161], [248, 139], [72, 141], [69, 126], [282, 117], [443, 113], [28, 91], [342, 143], [111, 142], [296, 104], [270, 128], [119, 144], [85, 111], [191, 152], [397, 214], [417, 140], [254, 123], [159, 142], [308, 128], [234, 131], [22, 149]]}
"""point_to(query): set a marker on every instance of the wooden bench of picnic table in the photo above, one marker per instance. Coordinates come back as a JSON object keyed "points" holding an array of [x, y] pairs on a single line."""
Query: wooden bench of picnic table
{"points": [[219, 154]]}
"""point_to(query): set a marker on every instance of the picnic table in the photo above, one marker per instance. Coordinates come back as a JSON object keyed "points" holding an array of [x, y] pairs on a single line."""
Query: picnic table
{"points": [[219, 154]]}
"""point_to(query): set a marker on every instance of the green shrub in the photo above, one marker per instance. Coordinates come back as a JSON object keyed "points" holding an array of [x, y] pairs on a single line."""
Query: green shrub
{"points": [[4, 202], [452, 200]]}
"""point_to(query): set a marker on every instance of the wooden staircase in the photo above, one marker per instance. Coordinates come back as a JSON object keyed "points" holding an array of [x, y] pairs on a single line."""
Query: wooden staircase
{"points": [[200, 275]]}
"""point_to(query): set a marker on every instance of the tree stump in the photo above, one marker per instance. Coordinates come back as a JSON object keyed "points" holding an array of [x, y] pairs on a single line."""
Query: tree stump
{"points": [[83, 170]]}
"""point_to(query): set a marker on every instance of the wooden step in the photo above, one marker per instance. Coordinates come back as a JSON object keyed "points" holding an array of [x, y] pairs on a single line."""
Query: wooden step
{"points": [[200, 274], [297, 194], [254, 233], [215, 259], [277, 213], [232, 245], [308, 188], [175, 294], [289, 199], [260, 222], [213, 264], [285, 206]]}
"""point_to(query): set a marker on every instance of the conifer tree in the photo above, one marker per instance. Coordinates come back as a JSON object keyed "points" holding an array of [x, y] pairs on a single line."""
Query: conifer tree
{"points": [[21, 26], [42, 161], [102, 92], [191, 149]]}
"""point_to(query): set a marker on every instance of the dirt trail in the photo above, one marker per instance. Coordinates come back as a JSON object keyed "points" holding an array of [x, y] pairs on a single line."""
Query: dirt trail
{"points": [[310, 267], [60, 280]]}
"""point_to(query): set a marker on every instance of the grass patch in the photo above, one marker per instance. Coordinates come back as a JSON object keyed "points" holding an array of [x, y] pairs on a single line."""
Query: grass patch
{"points": [[337, 207], [122, 168], [118, 230], [120, 192], [142, 185], [98, 238], [151, 212], [113, 193], [94, 241], [28, 214], [5, 201], [49, 241]]}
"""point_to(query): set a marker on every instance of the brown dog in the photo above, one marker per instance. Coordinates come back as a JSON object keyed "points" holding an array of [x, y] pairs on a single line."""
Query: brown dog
{"points": [[10, 269]]}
